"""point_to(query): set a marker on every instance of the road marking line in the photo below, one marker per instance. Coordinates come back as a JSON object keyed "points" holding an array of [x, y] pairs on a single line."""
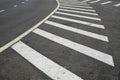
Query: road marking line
{"points": [[94, 1], [15, 6], [81, 12], [2, 11], [103, 57], [106, 2], [77, 6], [85, 0], [26, 0], [117, 5], [30, 30], [50, 68], [78, 9], [80, 16], [79, 31], [73, 3], [22, 2], [80, 22]]}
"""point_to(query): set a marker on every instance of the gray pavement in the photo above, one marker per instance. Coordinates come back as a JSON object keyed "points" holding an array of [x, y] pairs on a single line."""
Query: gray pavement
{"points": [[21, 15]]}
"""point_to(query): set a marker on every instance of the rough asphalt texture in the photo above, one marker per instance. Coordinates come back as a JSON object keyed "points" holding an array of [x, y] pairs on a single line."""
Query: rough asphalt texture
{"points": [[15, 67]]}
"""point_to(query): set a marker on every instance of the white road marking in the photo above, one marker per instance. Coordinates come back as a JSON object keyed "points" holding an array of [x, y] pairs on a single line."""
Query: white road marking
{"points": [[80, 22], [22, 2], [79, 31], [15, 6], [81, 12], [106, 58], [94, 1], [78, 9], [50, 68], [77, 6], [2, 11], [80, 16], [76, 3], [106, 2], [26, 0], [85, 1], [117, 5]]}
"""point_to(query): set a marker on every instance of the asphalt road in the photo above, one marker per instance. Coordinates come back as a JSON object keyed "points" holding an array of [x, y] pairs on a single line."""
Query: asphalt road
{"points": [[17, 16], [79, 42]]}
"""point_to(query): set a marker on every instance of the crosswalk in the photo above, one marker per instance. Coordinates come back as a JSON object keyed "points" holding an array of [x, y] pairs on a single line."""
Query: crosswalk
{"points": [[107, 2], [102, 2], [78, 6], [82, 12], [70, 12], [94, 1], [49, 67], [117, 5], [81, 16], [78, 9]]}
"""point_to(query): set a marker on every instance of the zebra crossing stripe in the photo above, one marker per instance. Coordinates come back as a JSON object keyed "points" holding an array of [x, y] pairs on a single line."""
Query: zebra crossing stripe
{"points": [[77, 6], [106, 2], [103, 57], [81, 12], [80, 16], [50, 68], [79, 31], [2, 11], [79, 22], [78, 9], [85, 1], [76, 3], [94, 1], [117, 5]]}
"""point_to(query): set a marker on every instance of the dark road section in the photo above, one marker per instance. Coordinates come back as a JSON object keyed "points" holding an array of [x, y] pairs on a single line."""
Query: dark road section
{"points": [[7, 4], [14, 67], [111, 19], [17, 16]]}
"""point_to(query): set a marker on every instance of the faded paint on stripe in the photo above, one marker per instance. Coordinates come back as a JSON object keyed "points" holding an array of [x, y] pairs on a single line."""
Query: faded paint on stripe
{"points": [[98, 55], [50, 68], [79, 22]]}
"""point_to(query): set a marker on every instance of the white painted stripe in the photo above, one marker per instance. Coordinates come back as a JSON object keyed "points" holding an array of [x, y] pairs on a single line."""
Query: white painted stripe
{"points": [[79, 31], [70, 2], [80, 16], [81, 12], [85, 0], [22, 2], [80, 22], [94, 1], [73, 3], [77, 47], [78, 9], [2, 11], [50, 68], [77, 6], [106, 2], [15, 5], [117, 5]]}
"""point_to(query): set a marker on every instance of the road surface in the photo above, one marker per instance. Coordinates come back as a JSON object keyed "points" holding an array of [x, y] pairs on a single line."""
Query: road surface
{"points": [[80, 41], [17, 16]]}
